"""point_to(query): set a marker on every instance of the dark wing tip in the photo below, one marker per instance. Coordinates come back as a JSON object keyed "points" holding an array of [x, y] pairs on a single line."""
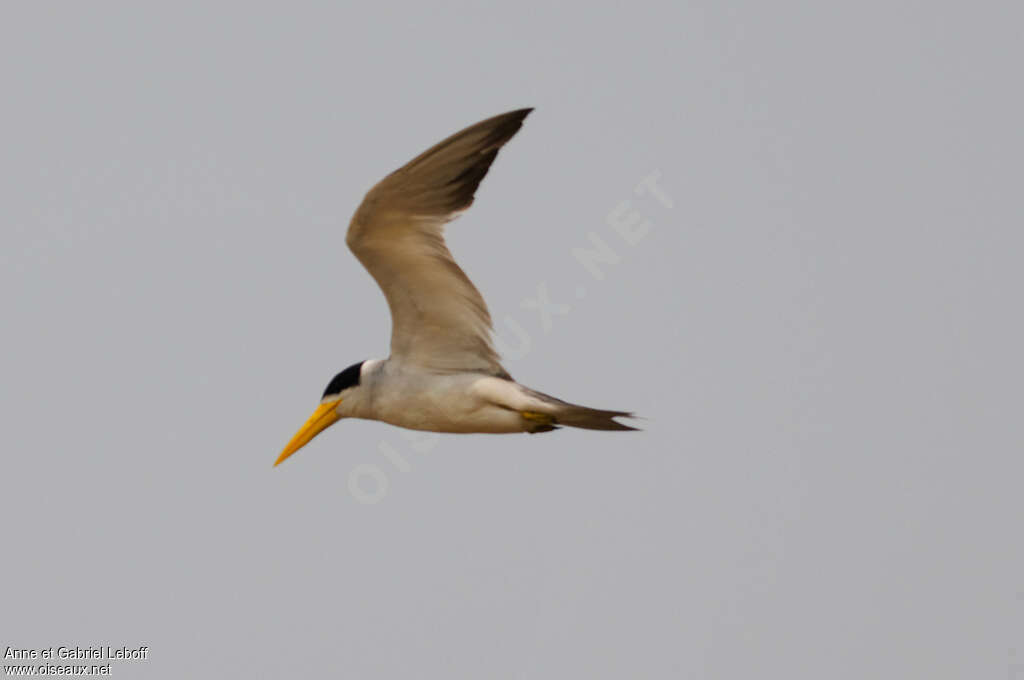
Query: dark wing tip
{"points": [[519, 114], [496, 132], [505, 125], [444, 178]]}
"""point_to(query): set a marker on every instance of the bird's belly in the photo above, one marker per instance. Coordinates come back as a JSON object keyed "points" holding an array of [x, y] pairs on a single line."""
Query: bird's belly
{"points": [[455, 409]]}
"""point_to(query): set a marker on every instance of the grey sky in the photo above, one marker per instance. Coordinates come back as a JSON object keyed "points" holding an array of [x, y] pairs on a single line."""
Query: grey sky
{"points": [[822, 331]]}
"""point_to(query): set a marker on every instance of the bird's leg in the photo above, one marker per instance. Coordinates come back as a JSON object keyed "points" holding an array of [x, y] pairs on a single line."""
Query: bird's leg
{"points": [[538, 422]]}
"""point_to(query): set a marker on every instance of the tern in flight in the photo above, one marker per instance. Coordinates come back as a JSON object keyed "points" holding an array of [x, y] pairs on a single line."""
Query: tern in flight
{"points": [[443, 374]]}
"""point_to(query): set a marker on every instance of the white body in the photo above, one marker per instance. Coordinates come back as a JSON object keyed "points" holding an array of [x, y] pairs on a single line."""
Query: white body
{"points": [[458, 402]]}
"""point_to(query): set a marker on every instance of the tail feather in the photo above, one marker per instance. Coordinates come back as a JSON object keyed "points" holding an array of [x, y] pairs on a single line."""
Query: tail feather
{"points": [[574, 415], [592, 418]]}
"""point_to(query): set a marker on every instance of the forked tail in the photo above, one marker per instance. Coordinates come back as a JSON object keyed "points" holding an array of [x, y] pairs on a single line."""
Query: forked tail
{"points": [[560, 412]]}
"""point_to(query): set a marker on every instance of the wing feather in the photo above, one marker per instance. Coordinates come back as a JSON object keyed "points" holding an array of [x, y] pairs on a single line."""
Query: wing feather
{"points": [[439, 320]]}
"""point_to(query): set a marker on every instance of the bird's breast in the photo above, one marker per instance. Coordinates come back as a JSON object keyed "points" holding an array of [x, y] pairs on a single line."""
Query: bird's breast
{"points": [[448, 403]]}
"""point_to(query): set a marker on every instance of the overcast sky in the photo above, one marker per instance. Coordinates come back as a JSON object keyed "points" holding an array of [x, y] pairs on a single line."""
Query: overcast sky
{"points": [[817, 312]]}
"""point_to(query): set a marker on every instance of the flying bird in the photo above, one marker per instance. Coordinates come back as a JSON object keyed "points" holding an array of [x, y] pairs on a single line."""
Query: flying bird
{"points": [[443, 374]]}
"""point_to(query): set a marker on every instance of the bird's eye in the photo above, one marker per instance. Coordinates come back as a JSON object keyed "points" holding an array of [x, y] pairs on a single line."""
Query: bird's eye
{"points": [[347, 378]]}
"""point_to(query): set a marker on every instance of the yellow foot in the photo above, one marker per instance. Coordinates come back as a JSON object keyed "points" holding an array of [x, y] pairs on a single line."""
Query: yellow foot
{"points": [[539, 418]]}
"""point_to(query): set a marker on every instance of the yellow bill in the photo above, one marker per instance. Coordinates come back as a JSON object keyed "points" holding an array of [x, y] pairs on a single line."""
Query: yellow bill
{"points": [[323, 417]]}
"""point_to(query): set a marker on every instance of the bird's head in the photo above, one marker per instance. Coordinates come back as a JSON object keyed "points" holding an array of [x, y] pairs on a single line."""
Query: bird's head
{"points": [[341, 387]]}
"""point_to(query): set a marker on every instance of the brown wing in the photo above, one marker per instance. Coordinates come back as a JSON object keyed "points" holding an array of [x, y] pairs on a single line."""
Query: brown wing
{"points": [[439, 320]]}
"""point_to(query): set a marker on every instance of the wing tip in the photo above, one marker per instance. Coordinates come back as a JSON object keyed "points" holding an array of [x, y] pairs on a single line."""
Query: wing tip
{"points": [[506, 125]]}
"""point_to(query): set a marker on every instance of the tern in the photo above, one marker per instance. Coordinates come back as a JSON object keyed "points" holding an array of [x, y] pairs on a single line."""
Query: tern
{"points": [[443, 374]]}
